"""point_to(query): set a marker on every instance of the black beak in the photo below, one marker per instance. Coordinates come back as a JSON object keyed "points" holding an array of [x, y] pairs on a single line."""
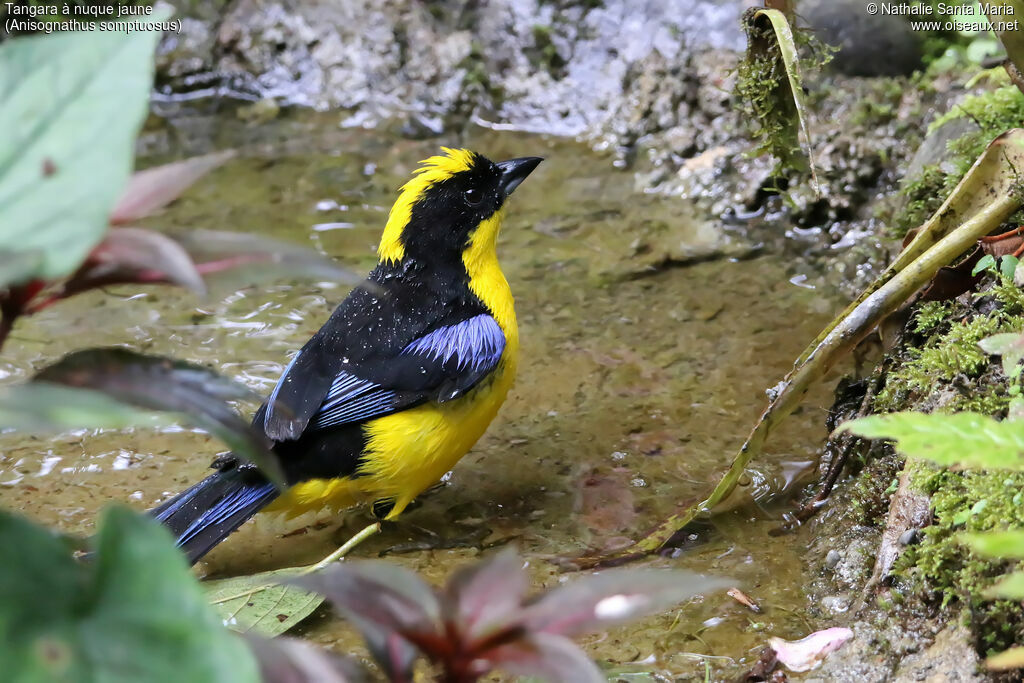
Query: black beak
{"points": [[514, 171]]}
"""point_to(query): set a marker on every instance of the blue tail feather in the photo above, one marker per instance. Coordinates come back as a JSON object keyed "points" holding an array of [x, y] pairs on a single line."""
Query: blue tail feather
{"points": [[204, 515]]}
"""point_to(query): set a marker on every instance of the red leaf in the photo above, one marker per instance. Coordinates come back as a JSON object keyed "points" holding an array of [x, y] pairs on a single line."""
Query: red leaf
{"points": [[157, 187], [486, 597], [390, 597], [290, 660], [137, 255], [543, 655], [613, 597]]}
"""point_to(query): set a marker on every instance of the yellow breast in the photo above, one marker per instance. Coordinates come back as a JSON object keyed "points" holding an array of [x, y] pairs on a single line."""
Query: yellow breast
{"points": [[407, 452]]}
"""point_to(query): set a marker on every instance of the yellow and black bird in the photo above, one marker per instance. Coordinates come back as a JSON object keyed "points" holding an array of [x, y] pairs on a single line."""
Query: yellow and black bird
{"points": [[401, 380]]}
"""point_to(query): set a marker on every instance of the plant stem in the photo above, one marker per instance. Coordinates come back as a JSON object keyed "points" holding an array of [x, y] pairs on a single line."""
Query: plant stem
{"points": [[345, 549]]}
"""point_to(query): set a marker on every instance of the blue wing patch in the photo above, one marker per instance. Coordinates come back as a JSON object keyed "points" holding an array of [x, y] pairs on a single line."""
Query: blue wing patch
{"points": [[463, 353], [476, 344], [351, 399]]}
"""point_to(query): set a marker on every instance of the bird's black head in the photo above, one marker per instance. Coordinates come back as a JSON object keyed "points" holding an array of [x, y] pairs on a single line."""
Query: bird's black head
{"points": [[452, 208]]}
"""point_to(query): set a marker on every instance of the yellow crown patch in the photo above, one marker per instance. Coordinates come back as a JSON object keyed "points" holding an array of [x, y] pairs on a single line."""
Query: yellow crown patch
{"points": [[432, 170]]}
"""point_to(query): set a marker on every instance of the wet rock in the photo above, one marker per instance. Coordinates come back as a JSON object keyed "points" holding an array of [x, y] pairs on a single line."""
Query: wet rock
{"points": [[949, 659], [189, 51], [869, 44], [564, 68], [935, 147]]}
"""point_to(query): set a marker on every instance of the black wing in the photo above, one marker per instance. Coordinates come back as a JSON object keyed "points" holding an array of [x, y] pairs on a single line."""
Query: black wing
{"points": [[375, 356]]}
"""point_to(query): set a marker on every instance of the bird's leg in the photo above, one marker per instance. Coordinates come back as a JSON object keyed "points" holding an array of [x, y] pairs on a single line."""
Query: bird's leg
{"points": [[344, 549]]}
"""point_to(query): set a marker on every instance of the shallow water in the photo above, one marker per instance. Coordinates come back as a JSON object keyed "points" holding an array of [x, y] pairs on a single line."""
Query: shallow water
{"points": [[638, 381]]}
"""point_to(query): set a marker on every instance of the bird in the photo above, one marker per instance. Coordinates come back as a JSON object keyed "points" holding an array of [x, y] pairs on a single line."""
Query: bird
{"points": [[401, 380]]}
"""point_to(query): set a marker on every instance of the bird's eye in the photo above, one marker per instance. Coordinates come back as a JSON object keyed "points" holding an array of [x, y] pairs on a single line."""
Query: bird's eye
{"points": [[473, 196]]}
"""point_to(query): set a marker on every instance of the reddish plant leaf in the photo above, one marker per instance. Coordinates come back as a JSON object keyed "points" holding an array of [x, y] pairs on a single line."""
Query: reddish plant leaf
{"points": [[390, 597], [158, 383], [290, 660], [613, 597], [1002, 245], [393, 653], [135, 255], [553, 658], [157, 187], [248, 258], [486, 597], [385, 603], [952, 281]]}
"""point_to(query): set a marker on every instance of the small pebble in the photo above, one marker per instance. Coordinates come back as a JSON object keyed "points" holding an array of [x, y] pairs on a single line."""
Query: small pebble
{"points": [[832, 558], [908, 537]]}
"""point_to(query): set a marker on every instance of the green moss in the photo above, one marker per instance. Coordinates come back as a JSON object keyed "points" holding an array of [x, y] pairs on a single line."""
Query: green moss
{"points": [[924, 193], [944, 570], [763, 92], [943, 48], [476, 78], [941, 367], [930, 315], [994, 112], [881, 103], [946, 355]]}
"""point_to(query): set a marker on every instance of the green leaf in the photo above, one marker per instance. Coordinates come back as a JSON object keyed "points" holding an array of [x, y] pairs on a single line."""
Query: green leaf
{"points": [[1010, 587], [259, 603], [53, 408], [70, 107], [999, 544], [135, 613], [1016, 409], [1008, 266], [965, 439], [791, 62], [984, 263], [1009, 345]]}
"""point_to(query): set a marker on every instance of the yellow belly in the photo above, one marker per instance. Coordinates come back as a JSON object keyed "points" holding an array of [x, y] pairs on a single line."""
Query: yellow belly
{"points": [[407, 452]]}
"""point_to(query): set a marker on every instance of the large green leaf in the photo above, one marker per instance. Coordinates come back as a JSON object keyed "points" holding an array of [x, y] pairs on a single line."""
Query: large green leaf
{"points": [[1010, 587], [964, 439], [1000, 544], [260, 603], [135, 613], [70, 107]]}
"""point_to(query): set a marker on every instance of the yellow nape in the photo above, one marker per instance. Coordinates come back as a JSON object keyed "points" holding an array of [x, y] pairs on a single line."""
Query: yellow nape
{"points": [[433, 170]]}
